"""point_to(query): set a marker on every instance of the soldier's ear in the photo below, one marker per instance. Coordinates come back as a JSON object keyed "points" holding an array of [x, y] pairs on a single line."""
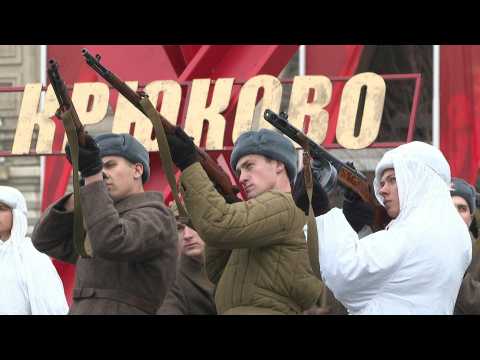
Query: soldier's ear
{"points": [[280, 167], [138, 171]]}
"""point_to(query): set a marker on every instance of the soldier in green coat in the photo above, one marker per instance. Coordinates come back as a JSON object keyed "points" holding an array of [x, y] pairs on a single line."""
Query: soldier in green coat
{"points": [[256, 251]]}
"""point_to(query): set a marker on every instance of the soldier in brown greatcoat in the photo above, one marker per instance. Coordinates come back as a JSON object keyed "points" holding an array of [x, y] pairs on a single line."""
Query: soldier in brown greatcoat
{"points": [[133, 235]]}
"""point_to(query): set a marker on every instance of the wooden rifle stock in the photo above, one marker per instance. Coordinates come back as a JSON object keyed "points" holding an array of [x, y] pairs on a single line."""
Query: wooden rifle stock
{"points": [[216, 174]]}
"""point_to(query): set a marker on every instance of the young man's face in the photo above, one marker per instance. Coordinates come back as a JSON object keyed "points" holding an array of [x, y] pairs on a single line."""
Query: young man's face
{"points": [[193, 244], [121, 176], [257, 174], [389, 192], [6, 221], [463, 209]]}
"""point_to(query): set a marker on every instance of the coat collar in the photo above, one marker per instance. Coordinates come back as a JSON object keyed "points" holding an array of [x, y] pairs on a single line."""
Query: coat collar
{"points": [[194, 269], [192, 263]]}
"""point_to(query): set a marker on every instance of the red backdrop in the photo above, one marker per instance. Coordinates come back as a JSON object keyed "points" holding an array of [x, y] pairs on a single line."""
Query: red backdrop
{"points": [[460, 108]]}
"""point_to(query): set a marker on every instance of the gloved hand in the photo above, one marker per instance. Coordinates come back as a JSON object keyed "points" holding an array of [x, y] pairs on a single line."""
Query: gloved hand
{"points": [[320, 203], [89, 161], [357, 212], [183, 151]]}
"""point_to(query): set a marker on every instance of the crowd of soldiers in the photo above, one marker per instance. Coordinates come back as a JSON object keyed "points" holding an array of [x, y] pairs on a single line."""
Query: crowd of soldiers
{"points": [[246, 257]]}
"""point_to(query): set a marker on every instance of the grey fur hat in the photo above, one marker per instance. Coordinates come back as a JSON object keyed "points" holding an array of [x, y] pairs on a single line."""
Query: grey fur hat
{"points": [[463, 189], [268, 143], [126, 146]]}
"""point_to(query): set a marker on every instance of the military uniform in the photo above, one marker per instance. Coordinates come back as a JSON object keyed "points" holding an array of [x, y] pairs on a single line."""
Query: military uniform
{"points": [[134, 244], [256, 249]]}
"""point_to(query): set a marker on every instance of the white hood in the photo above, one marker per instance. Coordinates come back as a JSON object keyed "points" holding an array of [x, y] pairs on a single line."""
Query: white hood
{"points": [[415, 266], [422, 173], [40, 283]]}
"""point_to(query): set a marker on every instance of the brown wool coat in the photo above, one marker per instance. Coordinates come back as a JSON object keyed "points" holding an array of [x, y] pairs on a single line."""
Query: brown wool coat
{"points": [[134, 243], [256, 250], [468, 299], [192, 292]]}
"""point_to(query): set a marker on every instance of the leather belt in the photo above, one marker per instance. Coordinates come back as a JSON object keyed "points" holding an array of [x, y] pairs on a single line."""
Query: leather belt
{"points": [[147, 306]]}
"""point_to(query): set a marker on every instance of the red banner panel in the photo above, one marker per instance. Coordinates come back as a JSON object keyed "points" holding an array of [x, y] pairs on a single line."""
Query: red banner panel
{"points": [[459, 111]]}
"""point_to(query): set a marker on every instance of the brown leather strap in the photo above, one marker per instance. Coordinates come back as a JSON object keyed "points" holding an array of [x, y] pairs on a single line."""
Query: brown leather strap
{"points": [[148, 306], [79, 237], [164, 152], [312, 235]]}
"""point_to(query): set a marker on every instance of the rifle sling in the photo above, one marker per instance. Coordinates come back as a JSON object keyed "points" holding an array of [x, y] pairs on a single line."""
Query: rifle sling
{"points": [[312, 235], [164, 152], [80, 239]]}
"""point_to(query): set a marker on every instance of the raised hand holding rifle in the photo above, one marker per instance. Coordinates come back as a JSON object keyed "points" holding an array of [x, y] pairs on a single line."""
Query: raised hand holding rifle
{"points": [[348, 177], [81, 151], [184, 151], [357, 212]]}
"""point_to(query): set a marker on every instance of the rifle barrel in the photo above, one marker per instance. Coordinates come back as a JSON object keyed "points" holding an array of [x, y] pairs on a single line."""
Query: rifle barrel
{"points": [[64, 100], [118, 84]]}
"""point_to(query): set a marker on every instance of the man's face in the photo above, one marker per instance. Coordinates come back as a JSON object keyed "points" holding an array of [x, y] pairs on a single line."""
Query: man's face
{"points": [[463, 209], [6, 221], [193, 245], [121, 176], [257, 174], [389, 192]]}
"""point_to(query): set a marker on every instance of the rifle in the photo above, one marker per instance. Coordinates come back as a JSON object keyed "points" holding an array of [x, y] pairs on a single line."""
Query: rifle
{"points": [[213, 170], [75, 135], [64, 100], [347, 176]]}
